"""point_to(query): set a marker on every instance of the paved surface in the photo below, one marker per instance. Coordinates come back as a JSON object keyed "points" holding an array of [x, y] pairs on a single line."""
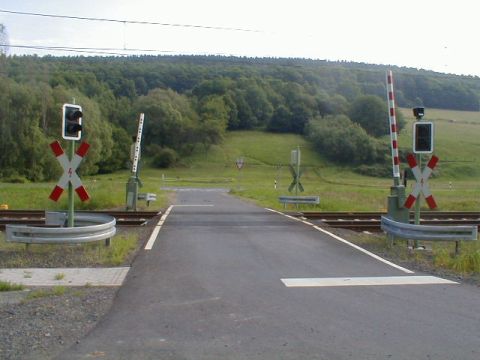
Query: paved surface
{"points": [[65, 276], [211, 288]]}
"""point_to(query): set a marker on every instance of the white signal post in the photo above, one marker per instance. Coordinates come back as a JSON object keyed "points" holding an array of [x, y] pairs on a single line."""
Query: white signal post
{"points": [[138, 141], [393, 129], [134, 182]]}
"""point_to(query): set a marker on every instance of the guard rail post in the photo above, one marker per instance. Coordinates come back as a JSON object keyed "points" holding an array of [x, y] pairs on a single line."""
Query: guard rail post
{"points": [[430, 232]]}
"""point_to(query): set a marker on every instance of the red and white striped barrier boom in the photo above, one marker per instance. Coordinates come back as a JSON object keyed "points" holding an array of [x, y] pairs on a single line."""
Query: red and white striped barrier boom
{"points": [[393, 128], [69, 171], [422, 182]]}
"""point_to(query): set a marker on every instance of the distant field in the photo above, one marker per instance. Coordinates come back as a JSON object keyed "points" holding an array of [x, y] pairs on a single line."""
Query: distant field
{"points": [[457, 141], [266, 156]]}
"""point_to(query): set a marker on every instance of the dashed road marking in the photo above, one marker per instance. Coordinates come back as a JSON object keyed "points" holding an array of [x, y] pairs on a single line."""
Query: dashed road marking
{"points": [[366, 281]]}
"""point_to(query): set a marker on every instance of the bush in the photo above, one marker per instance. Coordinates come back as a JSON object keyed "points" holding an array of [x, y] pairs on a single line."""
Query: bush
{"points": [[340, 140], [15, 179], [165, 158]]}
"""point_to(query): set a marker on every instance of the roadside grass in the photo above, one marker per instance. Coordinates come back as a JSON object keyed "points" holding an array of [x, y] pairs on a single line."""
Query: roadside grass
{"points": [[8, 286], [120, 251], [46, 292], [106, 192], [440, 256], [59, 276], [455, 141]]}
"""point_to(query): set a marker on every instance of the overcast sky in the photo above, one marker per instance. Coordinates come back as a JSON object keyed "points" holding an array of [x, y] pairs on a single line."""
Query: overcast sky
{"points": [[437, 35]]}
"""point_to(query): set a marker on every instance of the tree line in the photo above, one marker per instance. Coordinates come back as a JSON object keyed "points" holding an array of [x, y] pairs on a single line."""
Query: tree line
{"points": [[191, 101]]}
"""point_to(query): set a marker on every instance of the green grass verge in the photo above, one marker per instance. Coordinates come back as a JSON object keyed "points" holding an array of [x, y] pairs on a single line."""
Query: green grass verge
{"points": [[120, 252], [8, 286], [106, 192], [440, 256], [48, 292]]}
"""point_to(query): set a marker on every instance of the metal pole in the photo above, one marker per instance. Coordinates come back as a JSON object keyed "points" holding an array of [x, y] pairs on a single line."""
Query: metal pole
{"points": [[71, 153], [417, 203], [298, 171]]}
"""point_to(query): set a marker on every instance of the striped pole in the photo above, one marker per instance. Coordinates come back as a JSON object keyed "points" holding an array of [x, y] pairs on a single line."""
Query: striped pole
{"points": [[393, 129]]}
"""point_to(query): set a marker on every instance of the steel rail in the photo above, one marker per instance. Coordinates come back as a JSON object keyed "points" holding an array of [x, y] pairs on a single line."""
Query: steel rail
{"points": [[371, 221], [37, 217]]}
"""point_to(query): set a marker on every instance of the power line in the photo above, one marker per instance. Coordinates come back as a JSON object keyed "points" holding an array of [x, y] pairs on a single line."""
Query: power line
{"points": [[90, 50], [129, 21]]}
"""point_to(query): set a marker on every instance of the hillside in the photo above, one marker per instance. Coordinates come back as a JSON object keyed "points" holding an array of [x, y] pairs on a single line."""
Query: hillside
{"points": [[191, 103]]}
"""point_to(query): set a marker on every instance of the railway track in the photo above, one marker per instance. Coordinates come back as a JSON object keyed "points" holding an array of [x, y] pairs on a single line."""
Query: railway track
{"points": [[357, 221], [370, 221], [37, 217]]}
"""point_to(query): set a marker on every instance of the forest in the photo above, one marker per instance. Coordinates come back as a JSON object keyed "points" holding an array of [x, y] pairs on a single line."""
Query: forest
{"points": [[190, 102]]}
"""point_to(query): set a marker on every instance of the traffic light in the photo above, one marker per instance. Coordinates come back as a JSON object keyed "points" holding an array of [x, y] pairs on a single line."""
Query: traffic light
{"points": [[72, 122], [423, 137]]}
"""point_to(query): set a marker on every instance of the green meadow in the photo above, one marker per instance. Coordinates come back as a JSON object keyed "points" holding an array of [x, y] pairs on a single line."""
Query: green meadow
{"points": [[266, 157]]}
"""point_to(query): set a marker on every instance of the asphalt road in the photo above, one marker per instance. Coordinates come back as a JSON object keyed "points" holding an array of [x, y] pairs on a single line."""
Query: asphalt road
{"points": [[211, 288]]}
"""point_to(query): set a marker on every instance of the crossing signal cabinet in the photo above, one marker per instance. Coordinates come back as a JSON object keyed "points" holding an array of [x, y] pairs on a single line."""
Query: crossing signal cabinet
{"points": [[72, 122]]}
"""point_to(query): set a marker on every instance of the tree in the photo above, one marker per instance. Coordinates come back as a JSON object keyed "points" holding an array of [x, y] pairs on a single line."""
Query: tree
{"points": [[213, 121], [4, 43], [3, 49], [170, 120], [371, 113]]}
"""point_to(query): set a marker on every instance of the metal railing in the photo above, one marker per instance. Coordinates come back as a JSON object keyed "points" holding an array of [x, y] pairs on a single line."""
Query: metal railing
{"points": [[299, 199], [429, 232], [88, 228]]}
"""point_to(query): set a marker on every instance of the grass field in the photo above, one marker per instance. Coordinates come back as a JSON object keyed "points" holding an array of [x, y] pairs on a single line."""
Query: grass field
{"points": [[456, 143], [266, 158]]}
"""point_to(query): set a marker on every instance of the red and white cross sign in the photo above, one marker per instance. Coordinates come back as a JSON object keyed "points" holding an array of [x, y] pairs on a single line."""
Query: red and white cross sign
{"points": [[69, 171], [422, 184]]}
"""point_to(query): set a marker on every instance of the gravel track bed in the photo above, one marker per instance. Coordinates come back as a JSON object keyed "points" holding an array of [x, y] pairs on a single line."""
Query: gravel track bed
{"points": [[41, 328]]}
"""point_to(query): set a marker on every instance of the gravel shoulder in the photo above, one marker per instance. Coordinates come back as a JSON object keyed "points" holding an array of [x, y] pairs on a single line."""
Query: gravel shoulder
{"points": [[40, 323], [40, 328]]}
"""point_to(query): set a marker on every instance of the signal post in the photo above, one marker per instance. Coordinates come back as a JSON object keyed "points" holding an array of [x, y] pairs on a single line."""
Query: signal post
{"points": [[71, 130], [396, 199], [134, 181]]}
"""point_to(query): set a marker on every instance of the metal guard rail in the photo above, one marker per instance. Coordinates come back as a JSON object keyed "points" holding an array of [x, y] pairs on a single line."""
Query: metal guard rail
{"points": [[88, 227], [299, 199], [429, 232]]}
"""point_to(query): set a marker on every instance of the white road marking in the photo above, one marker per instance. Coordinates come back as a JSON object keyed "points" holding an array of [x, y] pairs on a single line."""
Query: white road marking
{"points": [[366, 281], [354, 246], [155, 232], [190, 205]]}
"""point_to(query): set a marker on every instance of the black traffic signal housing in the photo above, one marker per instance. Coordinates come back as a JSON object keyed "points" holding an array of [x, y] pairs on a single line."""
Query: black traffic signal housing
{"points": [[418, 112], [423, 137], [72, 122]]}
